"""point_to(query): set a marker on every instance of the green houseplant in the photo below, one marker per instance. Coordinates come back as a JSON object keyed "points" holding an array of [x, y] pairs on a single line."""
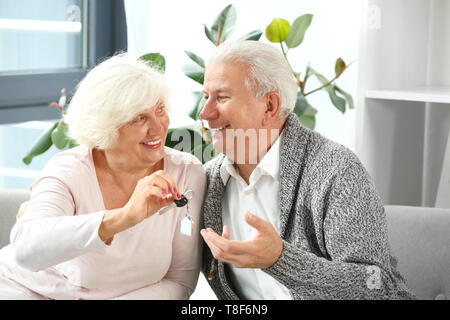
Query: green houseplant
{"points": [[55, 135], [288, 36]]}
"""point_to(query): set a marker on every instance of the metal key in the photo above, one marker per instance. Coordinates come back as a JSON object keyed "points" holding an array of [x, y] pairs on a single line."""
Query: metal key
{"points": [[179, 203]]}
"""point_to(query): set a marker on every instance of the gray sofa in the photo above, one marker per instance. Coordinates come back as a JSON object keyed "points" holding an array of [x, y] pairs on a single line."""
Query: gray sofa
{"points": [[419, 238], [10, 201]]}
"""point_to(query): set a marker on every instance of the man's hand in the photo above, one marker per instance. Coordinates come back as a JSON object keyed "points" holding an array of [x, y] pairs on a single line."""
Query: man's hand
{"points": [[260, 252]]}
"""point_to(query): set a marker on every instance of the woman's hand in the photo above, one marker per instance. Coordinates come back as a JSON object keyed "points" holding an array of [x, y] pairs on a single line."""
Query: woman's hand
{"points": [[150, 195]]}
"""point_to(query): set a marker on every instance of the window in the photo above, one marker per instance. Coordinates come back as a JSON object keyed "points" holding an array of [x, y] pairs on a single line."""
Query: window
{"points": [[15, 141], [35, 63], [46, 34], [46, 45]]}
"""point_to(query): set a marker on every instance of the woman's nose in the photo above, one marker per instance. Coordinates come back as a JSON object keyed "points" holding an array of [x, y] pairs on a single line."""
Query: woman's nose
{"points": [[155, 125]]}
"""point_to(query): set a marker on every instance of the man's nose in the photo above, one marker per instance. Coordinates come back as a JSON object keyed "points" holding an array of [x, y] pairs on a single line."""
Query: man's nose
{"points": [[209, 111]]}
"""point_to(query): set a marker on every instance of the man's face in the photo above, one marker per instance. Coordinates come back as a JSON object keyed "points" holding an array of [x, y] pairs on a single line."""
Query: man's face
{"points": [[231, 109]]}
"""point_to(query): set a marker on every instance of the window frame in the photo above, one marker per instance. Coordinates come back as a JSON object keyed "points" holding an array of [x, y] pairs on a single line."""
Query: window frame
{"points": [[25, 96]]}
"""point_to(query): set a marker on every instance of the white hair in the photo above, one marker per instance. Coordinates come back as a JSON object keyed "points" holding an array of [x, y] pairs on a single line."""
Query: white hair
{"points": [[109, 96], [268, 69]]}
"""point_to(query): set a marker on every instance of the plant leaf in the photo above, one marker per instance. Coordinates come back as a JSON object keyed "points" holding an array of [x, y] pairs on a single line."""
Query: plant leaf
{"points": [[198, 150], [194, 136], [198, 106], [277, 30], [156, 60], [194, 72], [198, 60], [207, 150], [59, 135], [339, 66], [298, 29], [227, 20], [72, 144], [301, 104], [319, 76], [253, 35], [209, 35], [337, 101], [42, 144], [348, 97], [308, 119]]}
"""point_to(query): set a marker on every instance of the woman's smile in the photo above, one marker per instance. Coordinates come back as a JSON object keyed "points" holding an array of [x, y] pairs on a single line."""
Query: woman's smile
{"points": [[152, 144]]}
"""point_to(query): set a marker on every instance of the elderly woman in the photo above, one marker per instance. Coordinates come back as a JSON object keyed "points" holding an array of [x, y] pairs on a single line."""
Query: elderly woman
{"points": [[91, 229]]}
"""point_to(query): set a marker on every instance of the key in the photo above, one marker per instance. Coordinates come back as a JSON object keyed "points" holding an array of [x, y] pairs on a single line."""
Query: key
{"points": [[186, 222], [176, 203]]}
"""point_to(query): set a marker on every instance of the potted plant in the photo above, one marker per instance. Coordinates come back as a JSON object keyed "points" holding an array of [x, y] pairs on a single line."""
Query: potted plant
{"points": [[288, 36]]}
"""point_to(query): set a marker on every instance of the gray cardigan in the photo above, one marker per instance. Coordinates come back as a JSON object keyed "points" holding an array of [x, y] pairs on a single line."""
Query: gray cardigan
{"points": [[333, 224]]}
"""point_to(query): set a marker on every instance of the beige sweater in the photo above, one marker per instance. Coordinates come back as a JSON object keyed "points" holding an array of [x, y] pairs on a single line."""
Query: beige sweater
{"points": [[61, 256]]}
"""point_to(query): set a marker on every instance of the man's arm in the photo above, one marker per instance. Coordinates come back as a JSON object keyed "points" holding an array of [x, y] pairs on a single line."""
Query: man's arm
{"points": [[355, 236]]}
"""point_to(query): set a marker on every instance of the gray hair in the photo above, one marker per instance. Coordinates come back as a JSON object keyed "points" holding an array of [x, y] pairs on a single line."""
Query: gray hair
{"points": [[109, 96], [268, 69]]}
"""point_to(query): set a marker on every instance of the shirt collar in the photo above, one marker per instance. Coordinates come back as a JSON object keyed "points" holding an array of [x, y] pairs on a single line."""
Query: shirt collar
{"points": [[269, 164], [226, 169]]}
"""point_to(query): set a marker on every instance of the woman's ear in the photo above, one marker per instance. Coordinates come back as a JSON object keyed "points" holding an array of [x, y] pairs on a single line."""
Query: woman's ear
{"points": [[273, 108]]}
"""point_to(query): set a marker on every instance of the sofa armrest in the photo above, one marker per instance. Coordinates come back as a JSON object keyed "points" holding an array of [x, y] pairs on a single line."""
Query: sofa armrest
{"points": [[10, 201], [419, 238]]}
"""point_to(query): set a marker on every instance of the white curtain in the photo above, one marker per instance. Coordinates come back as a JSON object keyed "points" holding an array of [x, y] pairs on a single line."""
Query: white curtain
{"points": [[138, 26]]}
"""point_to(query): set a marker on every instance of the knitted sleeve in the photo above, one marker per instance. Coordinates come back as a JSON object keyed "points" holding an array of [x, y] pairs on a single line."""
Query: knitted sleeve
{"points": [[357, 264]]}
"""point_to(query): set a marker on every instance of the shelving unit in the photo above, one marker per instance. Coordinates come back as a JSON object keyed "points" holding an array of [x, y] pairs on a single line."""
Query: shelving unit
{"points": [[403, 103], [435, 94]]}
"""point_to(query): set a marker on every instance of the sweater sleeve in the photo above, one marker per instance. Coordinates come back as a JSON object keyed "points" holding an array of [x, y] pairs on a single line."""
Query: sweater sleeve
{"points": [[357, 262], [49, 232]]}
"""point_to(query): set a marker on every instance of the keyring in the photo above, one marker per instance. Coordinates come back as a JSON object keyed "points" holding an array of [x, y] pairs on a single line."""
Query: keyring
{"points": [[189, 194]]}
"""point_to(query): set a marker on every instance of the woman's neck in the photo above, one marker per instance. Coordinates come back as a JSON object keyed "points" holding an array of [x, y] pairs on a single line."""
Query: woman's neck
{"points": [[120, 168]]}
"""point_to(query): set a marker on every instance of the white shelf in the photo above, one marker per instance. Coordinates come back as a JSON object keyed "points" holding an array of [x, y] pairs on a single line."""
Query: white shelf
{"points": [[403, 118], [436, 94]]}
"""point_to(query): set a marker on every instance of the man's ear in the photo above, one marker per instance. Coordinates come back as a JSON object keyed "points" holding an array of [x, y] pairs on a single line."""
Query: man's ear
{"points": [[273, 107]]}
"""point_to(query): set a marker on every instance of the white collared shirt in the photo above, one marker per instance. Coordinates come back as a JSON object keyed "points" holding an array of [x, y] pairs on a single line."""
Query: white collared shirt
{"points": [[260, 197]]}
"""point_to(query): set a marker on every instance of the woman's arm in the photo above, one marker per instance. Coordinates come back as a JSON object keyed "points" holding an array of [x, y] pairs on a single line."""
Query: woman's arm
{"points": [[49, 233], [181, 278]]}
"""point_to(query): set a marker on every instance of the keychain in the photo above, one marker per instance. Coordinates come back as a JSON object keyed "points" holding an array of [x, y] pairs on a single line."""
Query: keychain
{"points": [[186, 222]]}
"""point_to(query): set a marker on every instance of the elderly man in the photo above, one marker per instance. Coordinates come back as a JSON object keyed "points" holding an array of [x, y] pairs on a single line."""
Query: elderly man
{"points": [[288, 214]]}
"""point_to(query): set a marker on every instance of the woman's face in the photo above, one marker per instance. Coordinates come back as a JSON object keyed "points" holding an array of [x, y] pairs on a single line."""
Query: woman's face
{"points": [[142, 139]]}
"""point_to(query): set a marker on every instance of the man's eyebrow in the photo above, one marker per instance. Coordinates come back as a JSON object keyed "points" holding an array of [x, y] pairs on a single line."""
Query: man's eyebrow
{"points": [[219, 90]]}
